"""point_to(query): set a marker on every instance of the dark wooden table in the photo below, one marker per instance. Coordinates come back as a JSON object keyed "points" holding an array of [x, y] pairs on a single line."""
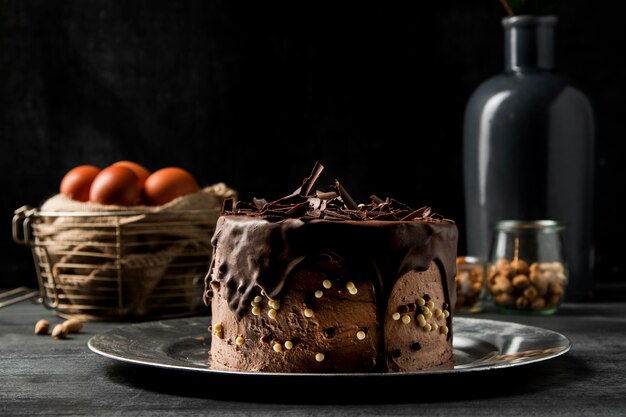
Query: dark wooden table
{"points": [[43, 376]]}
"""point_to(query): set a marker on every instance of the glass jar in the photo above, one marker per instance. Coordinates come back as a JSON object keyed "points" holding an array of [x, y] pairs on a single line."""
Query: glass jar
{"points": [[470, 284], [527, 270]]}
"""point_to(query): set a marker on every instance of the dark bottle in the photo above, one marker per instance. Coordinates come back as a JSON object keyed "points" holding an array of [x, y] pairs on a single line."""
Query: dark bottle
{"points": [[528, 149]]}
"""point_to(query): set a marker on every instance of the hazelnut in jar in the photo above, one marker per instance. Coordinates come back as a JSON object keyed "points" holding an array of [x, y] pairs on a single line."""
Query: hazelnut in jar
{"points": [[469, 280], [527, 272]]}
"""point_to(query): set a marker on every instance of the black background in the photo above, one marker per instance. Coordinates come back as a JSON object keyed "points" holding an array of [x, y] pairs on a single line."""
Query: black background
{"points": [[253, 94]]}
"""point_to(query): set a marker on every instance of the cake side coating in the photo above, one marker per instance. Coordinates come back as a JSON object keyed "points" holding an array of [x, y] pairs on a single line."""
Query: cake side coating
{"points": [[290, 334]]}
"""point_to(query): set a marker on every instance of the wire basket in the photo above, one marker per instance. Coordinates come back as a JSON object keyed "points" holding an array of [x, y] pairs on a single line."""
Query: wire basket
{"points": [[131, 265]]}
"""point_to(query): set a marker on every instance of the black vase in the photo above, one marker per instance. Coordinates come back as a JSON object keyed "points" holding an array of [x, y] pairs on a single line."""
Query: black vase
{"points": [[528, 150]]}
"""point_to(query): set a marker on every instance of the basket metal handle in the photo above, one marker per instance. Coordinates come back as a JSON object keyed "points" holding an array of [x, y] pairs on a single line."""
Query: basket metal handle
{"points": [[22, 235], [21, 225]]}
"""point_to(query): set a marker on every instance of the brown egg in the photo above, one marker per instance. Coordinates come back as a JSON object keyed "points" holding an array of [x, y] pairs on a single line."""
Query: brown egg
{"points": [[139, 170], [76, 183], [167, 184], [116, 185]]}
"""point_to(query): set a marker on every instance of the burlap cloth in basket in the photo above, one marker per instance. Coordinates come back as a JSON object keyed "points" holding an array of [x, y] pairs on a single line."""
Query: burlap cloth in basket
{"points": [[129, 265]]}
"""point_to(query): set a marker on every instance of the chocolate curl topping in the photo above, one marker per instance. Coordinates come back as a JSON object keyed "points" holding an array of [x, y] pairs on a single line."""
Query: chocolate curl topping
{"points": [[309, 182], [346, 197], [228, 205], [337, 205], [376, 199]]}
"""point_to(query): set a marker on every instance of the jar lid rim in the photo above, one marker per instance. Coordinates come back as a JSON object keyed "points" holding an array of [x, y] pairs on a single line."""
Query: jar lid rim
{"points": [[528, 225], [470, 259], [529, 20]]}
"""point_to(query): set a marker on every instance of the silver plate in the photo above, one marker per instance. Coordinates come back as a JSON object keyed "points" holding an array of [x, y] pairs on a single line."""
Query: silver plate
{"points": [[183, 344]]}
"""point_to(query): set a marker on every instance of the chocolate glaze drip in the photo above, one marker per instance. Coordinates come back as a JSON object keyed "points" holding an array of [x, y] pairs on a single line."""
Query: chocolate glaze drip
{"points": [[257, 246]]}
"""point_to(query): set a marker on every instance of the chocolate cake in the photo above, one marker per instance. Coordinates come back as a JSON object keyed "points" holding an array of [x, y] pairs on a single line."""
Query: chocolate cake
{"points": [[313, 283]]}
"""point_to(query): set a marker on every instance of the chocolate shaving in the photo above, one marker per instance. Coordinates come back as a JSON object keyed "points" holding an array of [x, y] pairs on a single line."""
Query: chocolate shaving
{"points": [[417, 214], [309, 182], [350, 203], [298, 210], [336, 205], [327, 195], [336, 216], [376, 199], [382, 216], [242, 205], [228, 204]]}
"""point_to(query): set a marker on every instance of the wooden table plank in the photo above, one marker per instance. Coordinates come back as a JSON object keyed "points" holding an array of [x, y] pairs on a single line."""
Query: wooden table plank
{"points": [[43, 376]]}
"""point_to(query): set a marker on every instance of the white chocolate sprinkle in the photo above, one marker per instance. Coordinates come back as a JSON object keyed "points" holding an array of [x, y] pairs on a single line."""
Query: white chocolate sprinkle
{"points": [[258, 299], [353, 290], [421, 320], [308, 312], [254, 304], [288, 344], [438, 313], [434, 326], [218, 327], [256, 311], [350, 285], [446, 313], [406, 319], [239, 340], [395, 316], [420, 301], [327, 284], [274, 304], [319, 357], [319, 294], [272, 313], [277, 347], [430, 305], [360, 335], [219, 335], [427, 327], [443, 329]]}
